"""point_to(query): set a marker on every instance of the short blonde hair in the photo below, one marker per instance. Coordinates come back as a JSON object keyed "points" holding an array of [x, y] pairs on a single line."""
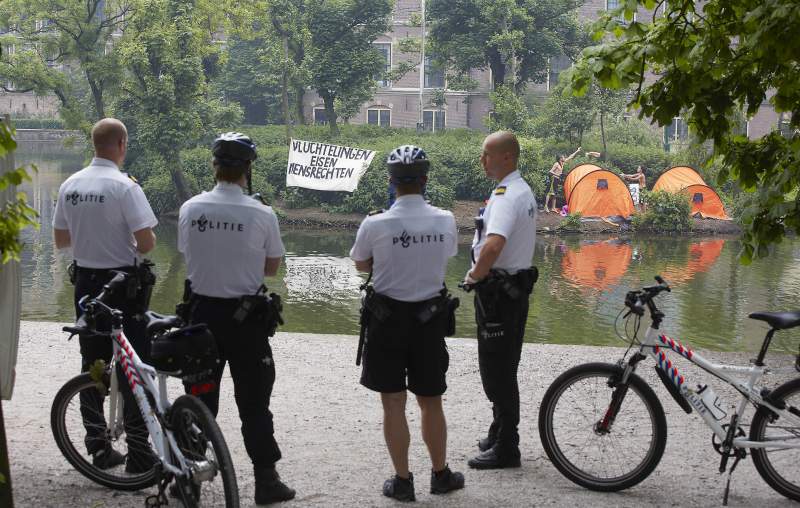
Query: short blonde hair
{"points": [[106, 133]]}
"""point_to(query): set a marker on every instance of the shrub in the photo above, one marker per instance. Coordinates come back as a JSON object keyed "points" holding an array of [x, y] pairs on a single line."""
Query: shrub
{"points": [[571, 222], [38, 123], [665, 212]]}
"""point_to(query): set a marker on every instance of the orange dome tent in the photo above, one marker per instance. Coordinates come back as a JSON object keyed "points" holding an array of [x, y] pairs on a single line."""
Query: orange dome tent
{"points": [[595, 192], [597, 264], [705, 201]]}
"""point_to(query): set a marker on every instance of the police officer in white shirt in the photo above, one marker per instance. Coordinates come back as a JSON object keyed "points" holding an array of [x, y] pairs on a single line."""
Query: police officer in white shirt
{"points": [[230, 242], [104, 216], [503, 278], [406, 249]]}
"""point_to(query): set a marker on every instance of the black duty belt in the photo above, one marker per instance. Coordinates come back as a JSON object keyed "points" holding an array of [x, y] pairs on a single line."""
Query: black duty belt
{"points": [[103, 271], [215, 299]]}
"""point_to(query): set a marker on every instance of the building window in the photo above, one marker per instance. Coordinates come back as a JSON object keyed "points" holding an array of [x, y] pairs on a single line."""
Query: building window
{"points": [[434, 74], [556, 65], [612, 5], [385, 49], [784, 125], [320, 117], [381, 117], [433, 121]]}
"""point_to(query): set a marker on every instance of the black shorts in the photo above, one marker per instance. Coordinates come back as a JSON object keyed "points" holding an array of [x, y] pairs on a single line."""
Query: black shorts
{"points": [[401, 348]]}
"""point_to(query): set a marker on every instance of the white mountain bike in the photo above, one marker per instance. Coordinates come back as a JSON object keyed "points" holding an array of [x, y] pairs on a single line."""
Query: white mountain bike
{"points": [[604, 428], [186, 442]]}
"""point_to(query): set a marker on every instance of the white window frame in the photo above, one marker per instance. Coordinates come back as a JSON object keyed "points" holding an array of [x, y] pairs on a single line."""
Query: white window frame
{"points": [[386, 83], [379, 109], [621, 17], [433, 122], [314, 115]]}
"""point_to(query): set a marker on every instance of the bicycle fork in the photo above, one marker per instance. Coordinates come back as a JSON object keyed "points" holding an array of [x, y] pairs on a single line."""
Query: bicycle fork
{"points": [[620, 386]]}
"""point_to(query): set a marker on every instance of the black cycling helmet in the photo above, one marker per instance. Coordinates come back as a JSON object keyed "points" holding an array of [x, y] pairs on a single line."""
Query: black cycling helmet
{"points": [[407, 163], [234, 149]]}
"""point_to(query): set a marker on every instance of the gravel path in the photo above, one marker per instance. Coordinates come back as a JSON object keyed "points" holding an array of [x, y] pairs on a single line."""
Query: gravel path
{"points": [[329, 429]]}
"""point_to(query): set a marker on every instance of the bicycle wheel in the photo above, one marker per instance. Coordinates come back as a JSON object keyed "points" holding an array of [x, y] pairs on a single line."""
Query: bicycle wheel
{"points": [[571, 428], [79, 426], [778, 466], [213, 479]]}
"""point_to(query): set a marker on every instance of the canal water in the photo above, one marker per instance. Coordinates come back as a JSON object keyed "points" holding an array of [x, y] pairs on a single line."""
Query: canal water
{"points": [[580, 292]]}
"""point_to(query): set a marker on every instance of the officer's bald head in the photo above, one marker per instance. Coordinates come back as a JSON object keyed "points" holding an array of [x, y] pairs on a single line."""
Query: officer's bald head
{"points": [[110, 137], [500, 154]]}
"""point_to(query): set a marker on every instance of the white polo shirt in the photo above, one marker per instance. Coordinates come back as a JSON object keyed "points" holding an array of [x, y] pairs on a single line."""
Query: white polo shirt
{"points": [[102, 207], [226, 237], [510, 213], [409, 244]]}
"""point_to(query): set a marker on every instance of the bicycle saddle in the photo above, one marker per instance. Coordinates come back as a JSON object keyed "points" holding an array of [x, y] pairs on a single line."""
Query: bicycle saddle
{"points": [[158, 323], [778, 320]]}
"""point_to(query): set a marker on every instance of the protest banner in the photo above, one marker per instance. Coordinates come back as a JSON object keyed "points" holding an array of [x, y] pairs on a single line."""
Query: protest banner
{"points": [[322, 166]]}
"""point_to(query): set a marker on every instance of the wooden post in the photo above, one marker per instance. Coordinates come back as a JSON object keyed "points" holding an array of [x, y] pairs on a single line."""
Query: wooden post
{"points": [[286, 118]]}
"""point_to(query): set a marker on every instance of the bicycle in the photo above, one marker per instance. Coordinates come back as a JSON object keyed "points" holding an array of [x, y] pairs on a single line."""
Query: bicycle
{"points": [[625, 422], [187, 442]]}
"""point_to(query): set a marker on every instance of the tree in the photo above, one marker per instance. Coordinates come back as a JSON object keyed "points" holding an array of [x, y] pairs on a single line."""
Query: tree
{"points": [[711, 60], [50, 37], [165, 100], [342, 61], [251, 77], [513, 38]]}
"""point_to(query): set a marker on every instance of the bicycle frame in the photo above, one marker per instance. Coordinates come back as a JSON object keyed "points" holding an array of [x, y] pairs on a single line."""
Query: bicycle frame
{"points": [[143, 379], [657, 344]]}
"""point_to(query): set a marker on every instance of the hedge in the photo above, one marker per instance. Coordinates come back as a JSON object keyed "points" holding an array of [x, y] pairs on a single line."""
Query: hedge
{"points": [[38, 123]]}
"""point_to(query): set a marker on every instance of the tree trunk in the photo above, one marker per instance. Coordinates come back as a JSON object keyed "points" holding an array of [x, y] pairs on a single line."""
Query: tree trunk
{"points": [[97, 95], [330, 113], [300, 110], [6, 497], [498, 70], [178, 180], [603, 135]]}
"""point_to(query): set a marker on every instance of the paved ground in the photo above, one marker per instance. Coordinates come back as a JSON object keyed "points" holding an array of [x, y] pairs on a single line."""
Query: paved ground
{"points": [[329, 428]]}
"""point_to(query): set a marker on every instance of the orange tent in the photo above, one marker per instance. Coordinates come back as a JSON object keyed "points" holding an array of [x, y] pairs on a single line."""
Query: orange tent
{"points": [[705, 201], [595, 192], [597, 264]]}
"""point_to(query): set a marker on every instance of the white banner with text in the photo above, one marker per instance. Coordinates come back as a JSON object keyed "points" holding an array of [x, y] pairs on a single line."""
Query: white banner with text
{"points": [[321, 166]]}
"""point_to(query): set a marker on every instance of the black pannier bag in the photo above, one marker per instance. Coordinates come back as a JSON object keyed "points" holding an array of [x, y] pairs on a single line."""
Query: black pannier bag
{"points": [[189, 353]]}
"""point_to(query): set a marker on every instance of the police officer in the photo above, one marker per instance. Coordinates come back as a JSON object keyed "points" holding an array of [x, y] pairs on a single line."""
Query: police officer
{"points": [[406, 250], [230, 242], [503, 277], [104, 216]]}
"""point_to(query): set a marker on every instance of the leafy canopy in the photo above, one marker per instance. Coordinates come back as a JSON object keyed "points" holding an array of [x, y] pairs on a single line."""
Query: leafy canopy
{"points": [[707, 62]]}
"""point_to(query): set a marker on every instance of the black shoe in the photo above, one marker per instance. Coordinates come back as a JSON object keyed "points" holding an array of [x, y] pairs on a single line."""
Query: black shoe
{"points": [[270, 488], [486, 443], [140, 463], [445, 481], [107, 458], [398, 488], [490, 459]]}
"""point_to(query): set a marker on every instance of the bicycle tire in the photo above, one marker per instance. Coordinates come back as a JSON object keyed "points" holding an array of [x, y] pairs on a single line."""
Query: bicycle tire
{"points": [[788, 393], [188, 415], [115, 478], [556, 448]]}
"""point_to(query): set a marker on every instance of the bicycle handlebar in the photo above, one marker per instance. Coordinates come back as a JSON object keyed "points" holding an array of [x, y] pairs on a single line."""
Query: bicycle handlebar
{"points": [[90, 305], [637, 300]]}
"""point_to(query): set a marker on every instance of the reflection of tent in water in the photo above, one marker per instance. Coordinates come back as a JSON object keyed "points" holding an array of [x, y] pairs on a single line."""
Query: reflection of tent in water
{"points": [[705, 201], [595, 192], [597, 264], [702, 256]]}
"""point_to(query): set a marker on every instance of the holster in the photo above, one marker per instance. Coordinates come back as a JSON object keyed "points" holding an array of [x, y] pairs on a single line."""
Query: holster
{"points": [[266, 309], [184, 309], [72, 272], [140, 286], [444, 303], [373, 308]]}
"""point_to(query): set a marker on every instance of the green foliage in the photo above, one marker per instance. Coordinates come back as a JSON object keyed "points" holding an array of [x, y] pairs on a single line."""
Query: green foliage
{"points": [[571, 222], [16, 215], [665, 213], [76, 31], [710, 61], [509, 111], [564, 116], [470, 34], [38, 123]]}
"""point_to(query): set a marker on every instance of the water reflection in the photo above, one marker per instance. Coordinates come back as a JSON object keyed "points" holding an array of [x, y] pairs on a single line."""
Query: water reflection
{"points": [[580, 291]]}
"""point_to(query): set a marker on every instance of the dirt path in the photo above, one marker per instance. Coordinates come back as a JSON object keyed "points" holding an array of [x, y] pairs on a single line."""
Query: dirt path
{"points": [[329, 429]]}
